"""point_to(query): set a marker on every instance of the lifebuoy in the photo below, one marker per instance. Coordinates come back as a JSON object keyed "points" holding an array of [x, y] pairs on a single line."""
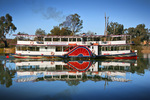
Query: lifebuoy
{"points": [[52, 53], [31, 42]]}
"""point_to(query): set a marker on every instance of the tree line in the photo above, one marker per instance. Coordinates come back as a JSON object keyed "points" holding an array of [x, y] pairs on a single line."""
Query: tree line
{"points": [[139, 33], [72, 25]]}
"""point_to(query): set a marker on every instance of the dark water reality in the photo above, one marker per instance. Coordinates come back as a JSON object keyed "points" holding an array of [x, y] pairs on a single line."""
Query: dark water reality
{"points": [[75, 79]]}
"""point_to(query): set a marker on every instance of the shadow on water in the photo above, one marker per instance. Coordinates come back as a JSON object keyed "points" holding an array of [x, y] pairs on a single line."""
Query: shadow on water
{"points": [[71, 71]]}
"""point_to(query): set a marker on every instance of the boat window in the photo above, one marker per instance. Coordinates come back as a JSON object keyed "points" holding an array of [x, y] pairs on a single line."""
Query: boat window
{"points": [[58, 48], [64, 39], [122, 48], [65, 48], [18, 48], [84, 39], [90, 39], [37, 48], [127, 47], [56, 39], [72, 39], [59, 67], [47, 39], [116, 48], [38, 38], [112, 48], [31, 48], [96, 39], [78, 39], [45, 47], [108, 48], [24, 49], [102, 48]]}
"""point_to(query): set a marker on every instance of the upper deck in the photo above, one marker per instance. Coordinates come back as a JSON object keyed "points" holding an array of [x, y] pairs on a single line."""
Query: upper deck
{"points": [[73, 40]]}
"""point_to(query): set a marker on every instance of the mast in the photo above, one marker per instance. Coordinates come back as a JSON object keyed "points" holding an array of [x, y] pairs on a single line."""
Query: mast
{"points": [[106, 25]]}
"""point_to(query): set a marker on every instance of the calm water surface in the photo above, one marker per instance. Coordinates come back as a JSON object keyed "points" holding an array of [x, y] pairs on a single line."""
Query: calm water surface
{"points": [[75, 80]]}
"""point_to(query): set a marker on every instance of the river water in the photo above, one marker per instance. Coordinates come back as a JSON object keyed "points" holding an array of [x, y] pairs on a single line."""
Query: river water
{"points": [[75, 80]]}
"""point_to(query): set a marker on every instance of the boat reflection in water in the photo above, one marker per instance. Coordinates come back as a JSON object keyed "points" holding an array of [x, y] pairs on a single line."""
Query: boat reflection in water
{"points": [[107, 70]]}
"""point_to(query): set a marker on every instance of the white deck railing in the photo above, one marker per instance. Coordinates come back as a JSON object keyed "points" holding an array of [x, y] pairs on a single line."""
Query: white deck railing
{"points": [[67, 43]]}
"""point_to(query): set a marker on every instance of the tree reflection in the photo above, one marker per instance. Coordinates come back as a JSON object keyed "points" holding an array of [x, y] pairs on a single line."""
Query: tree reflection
{"points": [[6, 74], [142, 64], [73, 82]]}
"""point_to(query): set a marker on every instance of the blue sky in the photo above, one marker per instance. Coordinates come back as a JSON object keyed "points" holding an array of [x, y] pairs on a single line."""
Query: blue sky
{"points": [[29, 15]]}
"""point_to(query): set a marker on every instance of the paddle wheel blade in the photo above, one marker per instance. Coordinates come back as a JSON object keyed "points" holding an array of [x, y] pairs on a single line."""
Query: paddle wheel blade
{"points": [[80, 51], [80, 66]]}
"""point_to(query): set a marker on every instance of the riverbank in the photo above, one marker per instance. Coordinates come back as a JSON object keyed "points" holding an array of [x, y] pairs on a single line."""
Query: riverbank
{"points": [[145, 49], [7, 50]]}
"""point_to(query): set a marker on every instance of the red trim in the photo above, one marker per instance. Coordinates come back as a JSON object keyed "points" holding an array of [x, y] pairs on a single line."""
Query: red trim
{"points": [[20, 57], [132, 57]]}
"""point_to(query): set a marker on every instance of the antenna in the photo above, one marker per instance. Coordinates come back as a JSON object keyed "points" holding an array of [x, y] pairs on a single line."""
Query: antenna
{"points": [[105, 25]]}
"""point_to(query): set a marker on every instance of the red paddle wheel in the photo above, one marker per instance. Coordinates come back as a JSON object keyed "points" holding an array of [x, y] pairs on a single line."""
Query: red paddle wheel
{"points": [[80, 66], [80, 51]]}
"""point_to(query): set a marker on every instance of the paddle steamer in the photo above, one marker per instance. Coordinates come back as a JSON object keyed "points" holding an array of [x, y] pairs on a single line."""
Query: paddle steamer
{"points": [[91, 46]]}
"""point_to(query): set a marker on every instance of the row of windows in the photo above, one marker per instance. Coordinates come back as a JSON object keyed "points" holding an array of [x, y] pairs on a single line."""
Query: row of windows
{"points": [[68, 48], [58, 48], [85, 39], [63, 39], [73, 39], [64, 48], [28, 48], [114, 48]]}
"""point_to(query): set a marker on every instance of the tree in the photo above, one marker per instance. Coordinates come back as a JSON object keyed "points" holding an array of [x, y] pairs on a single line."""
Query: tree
{"points": [[72, 23], [6, 74], [6, 27], [60, 31], [21, 37], [139, 33], [40, 32], [115, 28]]}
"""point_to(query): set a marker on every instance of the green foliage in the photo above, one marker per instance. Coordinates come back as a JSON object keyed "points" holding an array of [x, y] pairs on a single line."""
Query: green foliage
{"points": [[40, 32], [22, 33], [115, 28], [72, 23], [6, 75], [60, 31], [6, 27], [139, 33]]}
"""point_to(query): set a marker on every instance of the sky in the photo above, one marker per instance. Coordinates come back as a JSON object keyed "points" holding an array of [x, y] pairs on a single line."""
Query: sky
{"points": [[30, 15]]}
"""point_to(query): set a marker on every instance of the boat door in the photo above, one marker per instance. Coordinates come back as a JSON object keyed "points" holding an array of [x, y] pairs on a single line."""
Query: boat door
{"points": [[99, 50]]}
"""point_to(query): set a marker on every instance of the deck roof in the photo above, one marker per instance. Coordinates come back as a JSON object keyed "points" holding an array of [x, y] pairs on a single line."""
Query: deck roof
{"points": [[68, 36]]}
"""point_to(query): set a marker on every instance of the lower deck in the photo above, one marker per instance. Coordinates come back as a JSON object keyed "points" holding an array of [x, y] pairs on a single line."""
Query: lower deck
{"points": [[61, 50], [36, 52]]}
